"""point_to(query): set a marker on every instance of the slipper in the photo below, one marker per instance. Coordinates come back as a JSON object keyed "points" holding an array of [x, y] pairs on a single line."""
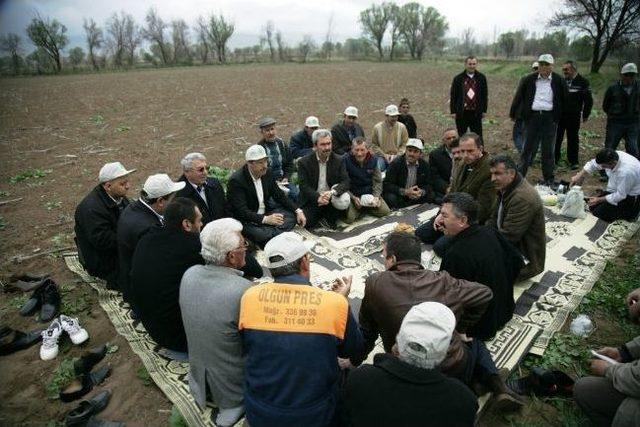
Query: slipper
{"points": [[13, 340], [87, 408], [84, 385], [543, 382], [89, 359]]}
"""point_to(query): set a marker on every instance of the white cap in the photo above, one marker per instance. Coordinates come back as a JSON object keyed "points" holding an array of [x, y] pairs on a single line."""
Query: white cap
{"points": [[351, 111], [535, 64], [111, 171], [289, 246], [629, 68], [341, 202], [255, 152], [416, 143], [391, 110], [312, 122], [546, 57], [366, 200], [426, 332], [160, 185]]}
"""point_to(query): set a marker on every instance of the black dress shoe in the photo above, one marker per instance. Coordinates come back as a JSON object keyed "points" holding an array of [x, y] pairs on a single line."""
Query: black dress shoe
{"points": [[33, 303], [27, 282], [88, 408], [89, 359], [50, 302], [84, 384], [97, 422], [13, 341]]}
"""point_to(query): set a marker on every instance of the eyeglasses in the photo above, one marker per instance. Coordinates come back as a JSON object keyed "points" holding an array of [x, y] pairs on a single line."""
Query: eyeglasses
{"points": [[243, 245], [202, 169]]}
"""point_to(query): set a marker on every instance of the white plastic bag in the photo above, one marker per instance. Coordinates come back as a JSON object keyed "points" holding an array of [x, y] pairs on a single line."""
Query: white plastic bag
{"points": [[573, 206], [581, 326]]}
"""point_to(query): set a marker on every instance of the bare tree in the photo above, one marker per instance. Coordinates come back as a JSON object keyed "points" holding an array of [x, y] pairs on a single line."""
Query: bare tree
{"points": [[220, 30], [116, 37], [132, 38], [93, 35], [468, 41], [327, 46], [268, 38], [11, 43], [306, 46], [421, 28], [203, 39], [50, 36], [374, 22], [154, 33], [395, 26], [180, 36], [282, 47], [607, 22], [76, 56]]}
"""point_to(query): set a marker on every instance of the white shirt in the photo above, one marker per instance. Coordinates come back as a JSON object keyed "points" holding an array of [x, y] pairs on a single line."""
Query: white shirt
{"points": [[543, 99], [322, 176], [257, 183], [624, 178]]}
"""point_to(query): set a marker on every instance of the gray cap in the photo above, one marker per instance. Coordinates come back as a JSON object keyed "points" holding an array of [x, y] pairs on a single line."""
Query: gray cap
{"points": [[288, 246], [266, 121]]}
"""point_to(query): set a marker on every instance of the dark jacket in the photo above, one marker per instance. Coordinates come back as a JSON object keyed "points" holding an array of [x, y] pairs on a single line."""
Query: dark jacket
{"points": [[619, 106], [300, 144], [394, 393], [477, 183], [96, 221], [361, 177], [340, 137], [216, 206], [523, 224], [287, 160], [440, 163], [527, 91], [482, 255], [410, 124], [241, 195], [159, 261], [579, 98], [308, 172], [396, 177], [135, 221], [389, 295], [456, 101]]}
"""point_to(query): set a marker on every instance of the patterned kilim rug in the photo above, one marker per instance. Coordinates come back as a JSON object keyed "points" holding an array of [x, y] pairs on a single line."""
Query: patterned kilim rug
{"points": [[577, 250]]}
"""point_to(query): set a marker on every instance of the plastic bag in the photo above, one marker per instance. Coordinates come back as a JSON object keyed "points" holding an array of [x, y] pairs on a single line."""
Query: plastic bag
{"points": [[573, 206], [581, 326]]}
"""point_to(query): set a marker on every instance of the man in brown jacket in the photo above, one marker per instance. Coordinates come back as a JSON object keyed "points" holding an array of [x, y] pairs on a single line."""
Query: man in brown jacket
{"points": [[390, 294], [518, 214]]}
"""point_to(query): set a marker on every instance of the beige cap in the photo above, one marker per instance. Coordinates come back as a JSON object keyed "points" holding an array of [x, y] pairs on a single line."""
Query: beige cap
{"points": [[415, 143], [312, 122], [629, 68], [255, 152], [546, 57], [391, 110], [111, 171], [160, 185], [351, 111], [288, 247]]}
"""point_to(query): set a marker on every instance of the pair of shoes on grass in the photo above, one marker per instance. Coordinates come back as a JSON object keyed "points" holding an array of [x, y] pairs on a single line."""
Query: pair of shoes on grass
{"points": [[50, 336]]}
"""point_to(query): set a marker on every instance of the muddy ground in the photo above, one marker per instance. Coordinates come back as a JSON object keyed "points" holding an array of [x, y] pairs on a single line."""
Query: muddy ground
{"points": [[57, 131]]}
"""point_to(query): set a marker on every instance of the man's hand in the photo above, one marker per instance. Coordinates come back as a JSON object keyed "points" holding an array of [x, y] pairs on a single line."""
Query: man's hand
{"points": [[413, 193], [345, 363], [464, 337], [611, 352], [577, 178], [598, 367], [593, 201], [301, 219], [376, 202], [389, 157], [342, 285], [324, 198], [356, 202], [274, 219]]}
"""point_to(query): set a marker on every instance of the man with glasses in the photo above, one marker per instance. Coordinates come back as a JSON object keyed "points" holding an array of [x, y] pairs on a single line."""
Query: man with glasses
{"points": [[578, 108], [622, 105], [345, 131], [441, 162]]}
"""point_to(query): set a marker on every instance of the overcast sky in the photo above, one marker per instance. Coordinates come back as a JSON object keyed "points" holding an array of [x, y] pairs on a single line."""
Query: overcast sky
{"points": [[293, 18]]}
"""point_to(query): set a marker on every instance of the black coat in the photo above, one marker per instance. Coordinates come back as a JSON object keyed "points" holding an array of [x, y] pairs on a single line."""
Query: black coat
{"points": [[440, 163], [394, 393], [308, 172], [527, 90], [410, 124], [579, 98], [216, 206], [396, 177], [481, 254], [340, 137], [456, 101], [135, 221], [159, 261], [96, 219], [621, 107], [287, 159], [241, 195]]}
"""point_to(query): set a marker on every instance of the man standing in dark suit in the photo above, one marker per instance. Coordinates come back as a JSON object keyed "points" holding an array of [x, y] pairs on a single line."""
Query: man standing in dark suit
{"points": [[249, 192], [324, 182], [469, 98], [441, 163], [407, 181]]}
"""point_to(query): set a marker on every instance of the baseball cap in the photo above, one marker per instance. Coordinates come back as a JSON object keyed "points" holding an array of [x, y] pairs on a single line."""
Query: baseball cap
{"points": [[111, 171], [351, 111], [289, 246], [416, 143], [535, 64], [312, 122], [266, 121], [391, 110], [545, 57], [160, 185], [426, 332], [255, 152], [629, 68]]}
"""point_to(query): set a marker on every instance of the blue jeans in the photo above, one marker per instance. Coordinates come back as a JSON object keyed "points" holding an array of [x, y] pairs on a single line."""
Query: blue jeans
{"points": [[382, 163], [628, 131], [518, 134]]}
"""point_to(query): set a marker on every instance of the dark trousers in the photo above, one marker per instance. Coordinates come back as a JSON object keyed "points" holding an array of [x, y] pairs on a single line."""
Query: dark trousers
{"points": [[571, 125], [260, 234], [626, 209], [396, 201], [252, 268], [618, 131], [469, 119], [598, 399], [518, 134], [540, 131], [315, 213]]}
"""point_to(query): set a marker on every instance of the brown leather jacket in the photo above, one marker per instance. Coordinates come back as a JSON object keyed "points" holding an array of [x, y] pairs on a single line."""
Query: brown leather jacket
{"points": [[389, 295]]}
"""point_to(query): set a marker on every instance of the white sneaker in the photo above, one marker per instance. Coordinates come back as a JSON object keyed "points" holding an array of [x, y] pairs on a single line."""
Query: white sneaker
{"points": [[49, 348], [71, 326]]}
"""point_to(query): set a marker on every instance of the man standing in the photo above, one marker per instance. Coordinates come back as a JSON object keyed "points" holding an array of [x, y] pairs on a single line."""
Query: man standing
{"points": [[96, 219], [578, 108], [407, 119], [622, 105], [324, 182], [479, 254], [159, 261], [300, 143], [407, 181], [469, 98], [441, 162], [293, 334], [543, 99], [139, 218], [519, 214], [279, 157], [515, 113], [621, 199], [345, 131], [210, 305], [365, 182], [249, 191], [389, 137]]}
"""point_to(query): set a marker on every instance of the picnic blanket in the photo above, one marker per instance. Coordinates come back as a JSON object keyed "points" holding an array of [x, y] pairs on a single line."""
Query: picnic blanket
{"points": [[577, 251]]}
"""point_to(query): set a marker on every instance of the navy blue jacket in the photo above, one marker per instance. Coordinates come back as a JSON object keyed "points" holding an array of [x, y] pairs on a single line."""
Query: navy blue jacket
{"points": [[360, 177], [300, 144]]}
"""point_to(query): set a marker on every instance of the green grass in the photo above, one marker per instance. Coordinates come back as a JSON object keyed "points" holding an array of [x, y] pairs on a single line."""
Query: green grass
{"points": [[29, 174], [144, 376], [62, 377], [176, 419]]}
